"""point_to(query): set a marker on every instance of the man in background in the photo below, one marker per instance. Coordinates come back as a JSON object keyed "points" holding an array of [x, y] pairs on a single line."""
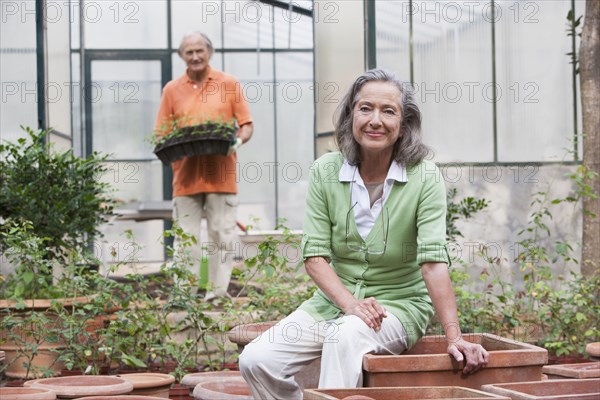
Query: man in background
{"points": [[206, 186]]}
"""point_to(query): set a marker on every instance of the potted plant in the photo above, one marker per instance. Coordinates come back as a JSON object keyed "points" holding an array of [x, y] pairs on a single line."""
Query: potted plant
{"points": [[51, 204], [179, 139]]}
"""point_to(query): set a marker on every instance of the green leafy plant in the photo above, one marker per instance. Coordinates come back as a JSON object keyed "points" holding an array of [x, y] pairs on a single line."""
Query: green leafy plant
{"points": [[275, 285], [556, 307], [183, 127], [59, 193], [33, 330]]}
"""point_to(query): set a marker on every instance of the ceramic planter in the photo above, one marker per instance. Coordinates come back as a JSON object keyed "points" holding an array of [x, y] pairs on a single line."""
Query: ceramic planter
{"points": [[593, 349], [576, 371], [243, 334], [19, 393], [428, 364], [196, 140], [225, 388], [121, 397], [45, 362], [180, 392], [558, 389], [150, 384], [46, 359], [74, 387], [191, 380], [403, 393]]}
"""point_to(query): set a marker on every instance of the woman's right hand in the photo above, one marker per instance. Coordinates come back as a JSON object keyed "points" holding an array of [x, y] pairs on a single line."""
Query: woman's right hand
{"points": [[369, 310]]}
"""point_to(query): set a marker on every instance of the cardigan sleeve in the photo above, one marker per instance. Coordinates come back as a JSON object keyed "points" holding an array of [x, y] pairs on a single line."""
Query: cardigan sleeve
{"points": [[431, 217], [316, 240]]}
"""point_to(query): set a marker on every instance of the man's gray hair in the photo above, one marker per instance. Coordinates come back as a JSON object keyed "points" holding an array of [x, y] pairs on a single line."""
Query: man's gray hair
{"points": [[196, 34]]}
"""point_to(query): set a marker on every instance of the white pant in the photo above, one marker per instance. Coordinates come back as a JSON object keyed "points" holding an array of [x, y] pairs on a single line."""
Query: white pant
{"points": [[270, 362], [220, 211]]}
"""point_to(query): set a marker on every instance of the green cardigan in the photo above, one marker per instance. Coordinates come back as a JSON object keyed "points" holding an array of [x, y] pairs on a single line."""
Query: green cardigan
{"points": [[417, 234]]}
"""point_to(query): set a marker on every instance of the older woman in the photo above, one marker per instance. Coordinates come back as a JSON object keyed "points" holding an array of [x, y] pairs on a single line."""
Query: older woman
{"points": [[374, 243]]}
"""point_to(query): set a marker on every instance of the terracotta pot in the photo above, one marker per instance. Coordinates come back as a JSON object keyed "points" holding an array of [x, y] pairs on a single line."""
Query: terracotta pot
{"points": [[401, 393], [576, 371], [232, 388], [121, 397], [191, 380], [552, 359], [73, 387], [150, 384], [308, 377], [557, 389], [44, 304], [245, 333], [180, 392], [428, 364], [16, 393], [16, 383], [45, 362], [593, 349]]}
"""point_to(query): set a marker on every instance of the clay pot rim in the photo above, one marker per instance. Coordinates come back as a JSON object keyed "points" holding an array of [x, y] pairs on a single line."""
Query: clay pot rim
{"points": [[141, 380], [368, 391], [37, 304], [121, 397], [518, 388], [576, 370], [112, 385], [193, 379], [45, 394], [226, 382]]}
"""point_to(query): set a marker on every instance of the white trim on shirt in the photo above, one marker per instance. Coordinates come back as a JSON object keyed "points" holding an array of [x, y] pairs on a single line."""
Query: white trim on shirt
{"points": [[364, 214]]}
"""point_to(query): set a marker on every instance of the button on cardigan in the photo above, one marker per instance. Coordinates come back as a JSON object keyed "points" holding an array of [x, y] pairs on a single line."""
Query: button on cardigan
{"points": [[417, 234]]}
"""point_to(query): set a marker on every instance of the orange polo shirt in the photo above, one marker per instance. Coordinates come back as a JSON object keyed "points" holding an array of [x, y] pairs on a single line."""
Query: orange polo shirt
{"points": [[219, 97]]}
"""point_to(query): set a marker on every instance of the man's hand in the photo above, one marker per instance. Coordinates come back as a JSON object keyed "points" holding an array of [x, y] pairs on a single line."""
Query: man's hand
{"points": [[234, 146], [476, 356]]}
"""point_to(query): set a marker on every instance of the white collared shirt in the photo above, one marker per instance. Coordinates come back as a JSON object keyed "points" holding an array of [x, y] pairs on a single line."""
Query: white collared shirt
{"points": [[364, 214]]}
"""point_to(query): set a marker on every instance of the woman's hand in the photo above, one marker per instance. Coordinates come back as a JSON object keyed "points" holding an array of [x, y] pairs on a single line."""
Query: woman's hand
{"points": [[476, 356], [369, 310]]}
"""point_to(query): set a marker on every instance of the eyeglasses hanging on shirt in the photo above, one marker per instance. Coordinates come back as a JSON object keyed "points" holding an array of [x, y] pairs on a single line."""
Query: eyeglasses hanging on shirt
{"points": [[355, 243]]}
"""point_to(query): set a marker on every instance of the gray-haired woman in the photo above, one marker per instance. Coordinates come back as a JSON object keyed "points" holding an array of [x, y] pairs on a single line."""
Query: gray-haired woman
{"points": [[374, 244]]}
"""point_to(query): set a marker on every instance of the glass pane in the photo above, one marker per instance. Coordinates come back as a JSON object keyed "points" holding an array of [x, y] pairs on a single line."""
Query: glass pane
{"points": [[247, 24], [188, 16], [295, 133], [125, 24], [58, 85], [115, 247], [453, 80], [18, 74], [135, 180], [256, 159], [535, 111], [292, 30], [125, 96], [392, 24]]}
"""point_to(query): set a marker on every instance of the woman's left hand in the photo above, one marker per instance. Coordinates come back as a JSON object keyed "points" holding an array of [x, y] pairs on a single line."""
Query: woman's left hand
{"points": [[476, 356]]}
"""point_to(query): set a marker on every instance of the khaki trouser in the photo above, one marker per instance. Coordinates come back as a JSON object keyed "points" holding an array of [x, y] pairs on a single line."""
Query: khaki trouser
{"points": [[220, 211], [270, 362]]}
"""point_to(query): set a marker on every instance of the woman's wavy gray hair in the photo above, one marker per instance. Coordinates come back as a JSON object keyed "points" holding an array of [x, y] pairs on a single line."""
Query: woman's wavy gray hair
{"points": [[409, 148]]}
